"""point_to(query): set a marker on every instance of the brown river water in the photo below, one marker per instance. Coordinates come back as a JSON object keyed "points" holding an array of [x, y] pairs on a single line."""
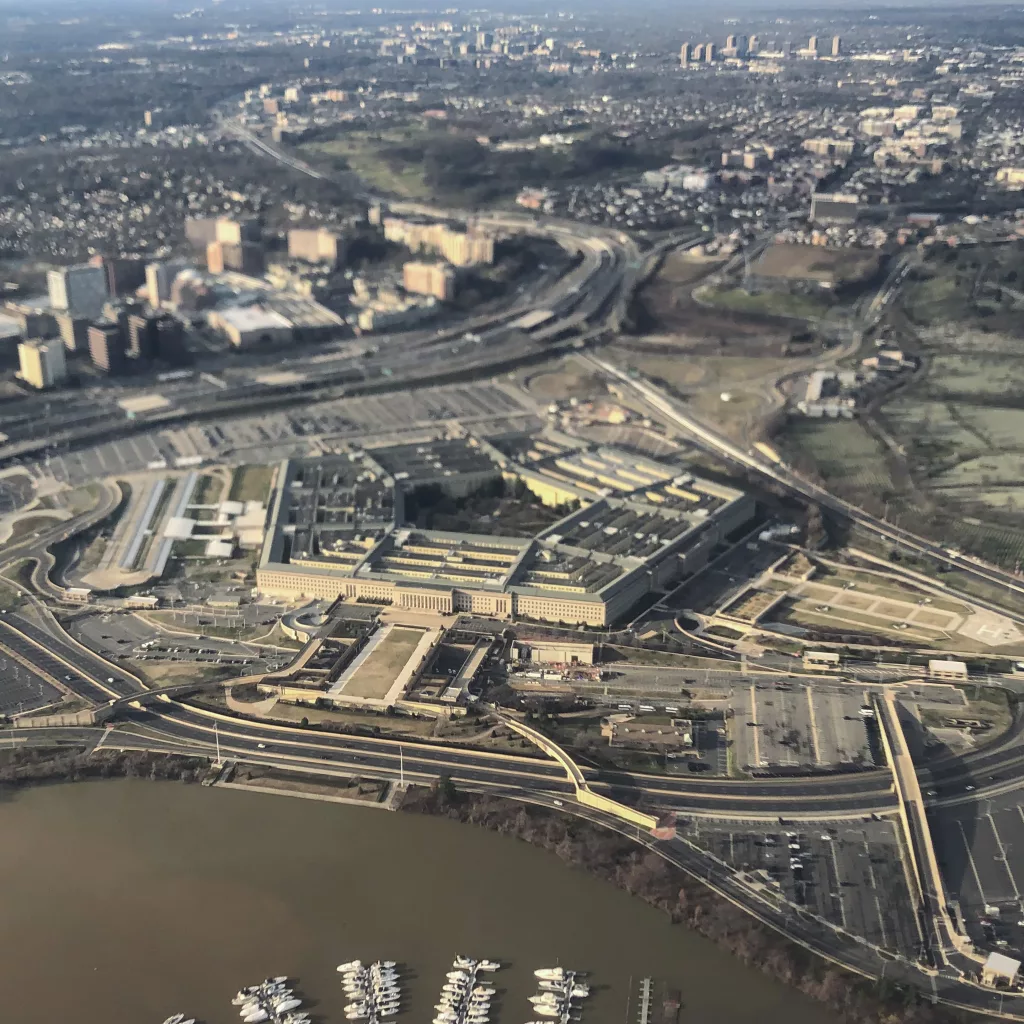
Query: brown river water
{"points": [[123, 902]]}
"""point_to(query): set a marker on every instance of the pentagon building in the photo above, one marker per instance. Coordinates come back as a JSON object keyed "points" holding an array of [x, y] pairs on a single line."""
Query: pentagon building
{"points": [[337, 530]]}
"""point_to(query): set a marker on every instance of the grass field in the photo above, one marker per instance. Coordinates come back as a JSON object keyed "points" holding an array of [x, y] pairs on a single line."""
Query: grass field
{"points": [[362, 153], [378, 673], [843, 452], [774, 303], [251, 483]]}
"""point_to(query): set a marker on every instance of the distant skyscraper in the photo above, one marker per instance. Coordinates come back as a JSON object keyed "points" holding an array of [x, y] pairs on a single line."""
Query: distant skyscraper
{"points": [[684, 54], [160, 279], [106, 346], [709, 52], [837, 46], [42, 362], [812, 44], [316, 246], [730, 42], [753, 44], [81, 290], [697, 52]]}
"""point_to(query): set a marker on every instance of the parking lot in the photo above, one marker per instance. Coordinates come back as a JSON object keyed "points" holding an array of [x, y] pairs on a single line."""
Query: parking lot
{"points": [[22, 690], [979, 847], [787, 725], [127, 638], [486, 408], [847, 874]]}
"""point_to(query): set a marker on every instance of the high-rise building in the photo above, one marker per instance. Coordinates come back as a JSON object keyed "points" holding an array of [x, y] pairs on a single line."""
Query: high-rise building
{"points": [[709, 53], [125, 275], [245, 258], [81, 289], [730, 42], [74, 331], [42, 363], [697, 52], [106, 346], [160, 280], [170, 344], [143, 336], [437, 279], [812, 44], [684, 54], [201, 231], [837, 46], [235, 232], [316, 246], [753, 44]]}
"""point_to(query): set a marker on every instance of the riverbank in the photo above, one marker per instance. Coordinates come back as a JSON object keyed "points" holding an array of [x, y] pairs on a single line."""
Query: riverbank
{"points": [[616, 859], [27, 766]]}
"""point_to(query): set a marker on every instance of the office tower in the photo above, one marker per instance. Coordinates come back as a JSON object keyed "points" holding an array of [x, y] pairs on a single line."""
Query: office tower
{"points": [[730, 43], [753, 44], [684, 54], [201, 231], [81, 289], [106, 346], [812, 44], [837, 46], [143, 336], [484, 40], [170, 344], [237, 231], [125, 275], [160, 280], [741, 46], [709, 53], [697, 53], [42, 363], [245, 258], [74, 331], [435, 279], [316, 246]]}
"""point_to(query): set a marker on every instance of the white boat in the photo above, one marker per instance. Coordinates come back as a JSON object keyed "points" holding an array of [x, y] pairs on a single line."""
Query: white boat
{"points": [[247, 1008], [458, 975], [176, 1018], [279, 980], [488, 965], [550, 973], [580, 991], [545, 997], [356, 1015], [287, 1004], [256, 1016], [352, 965], [483, 989], [547, 1011], [464, 961], [456, 987]]}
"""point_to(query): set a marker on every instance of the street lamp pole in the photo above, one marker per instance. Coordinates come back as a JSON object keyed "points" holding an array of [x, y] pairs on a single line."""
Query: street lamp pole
{"points": [[216, 737]]}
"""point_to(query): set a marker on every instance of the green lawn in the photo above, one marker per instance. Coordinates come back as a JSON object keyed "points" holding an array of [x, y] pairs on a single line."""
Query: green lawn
{"points": [[251, 483]]}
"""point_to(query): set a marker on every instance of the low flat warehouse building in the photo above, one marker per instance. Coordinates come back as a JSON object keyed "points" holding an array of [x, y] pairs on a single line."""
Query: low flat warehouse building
{"points": [[337, 529], [553, 652], [947, 669]]}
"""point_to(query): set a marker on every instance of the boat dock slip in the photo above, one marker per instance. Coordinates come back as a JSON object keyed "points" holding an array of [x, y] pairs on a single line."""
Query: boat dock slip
{"points": [[646, 993], [465, 998]]}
